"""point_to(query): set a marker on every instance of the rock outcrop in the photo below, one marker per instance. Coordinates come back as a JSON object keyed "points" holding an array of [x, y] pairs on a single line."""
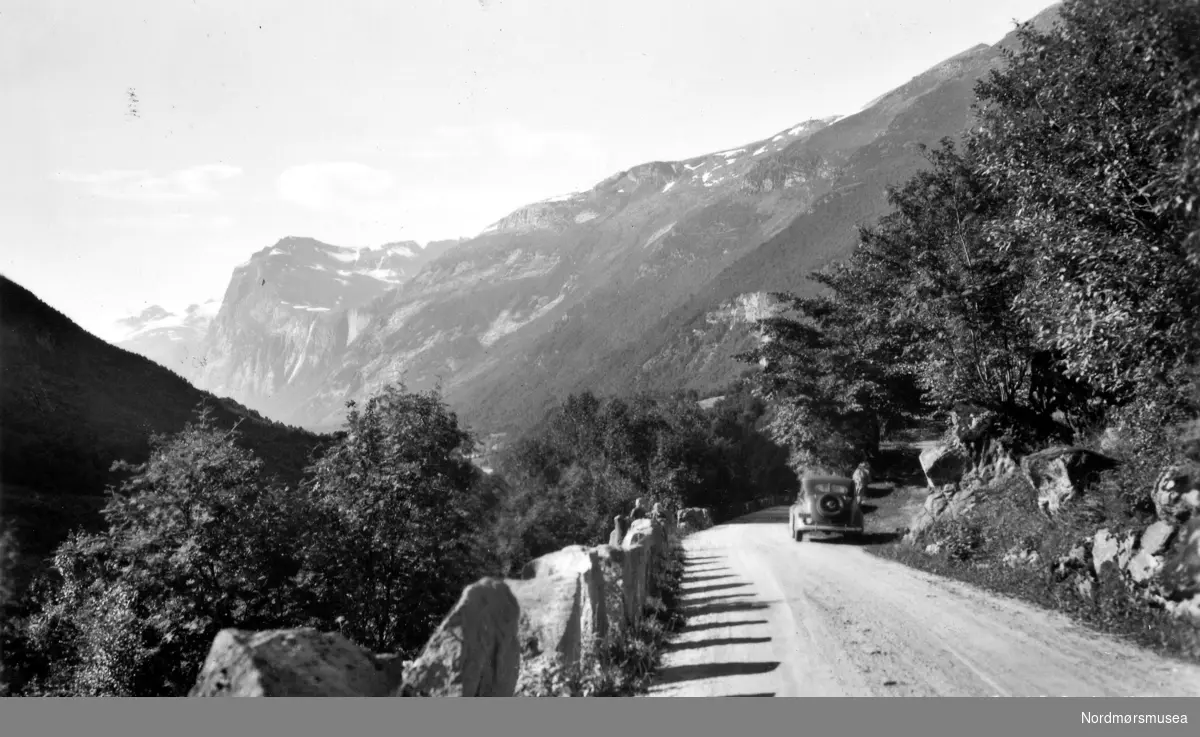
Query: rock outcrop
{"points": [[944, 502], [943, 464], [475, 651], [1061, 473], [301, 662], [1176, 494], [561, 602]]}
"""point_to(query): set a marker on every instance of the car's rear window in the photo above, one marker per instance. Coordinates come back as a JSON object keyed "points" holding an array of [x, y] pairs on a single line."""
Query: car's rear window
{"points": [[824, 487]]}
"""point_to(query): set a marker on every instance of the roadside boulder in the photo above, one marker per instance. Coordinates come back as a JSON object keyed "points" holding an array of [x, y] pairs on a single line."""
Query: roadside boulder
{"points": [[294, 663], [560, 595], [1176, 493], [475, 651], [1061, 473], [647, 535], [1077, 560], [943, 464], [944, 502], [1157, 538], [1181, 573], [1143, 566], [1110, 548], [615, 571]]}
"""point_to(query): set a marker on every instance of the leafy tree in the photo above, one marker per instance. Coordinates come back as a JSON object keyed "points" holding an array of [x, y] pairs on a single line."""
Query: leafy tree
{"points": [[593, 456], [1091, 127], [398, 513], [197, 540]]}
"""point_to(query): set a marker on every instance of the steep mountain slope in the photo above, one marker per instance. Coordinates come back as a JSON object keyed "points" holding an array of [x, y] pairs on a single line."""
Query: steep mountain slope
{"points": [[71, 405], [290, 310], [692, 348], [647, 280], [656, 231], [649, 295]]}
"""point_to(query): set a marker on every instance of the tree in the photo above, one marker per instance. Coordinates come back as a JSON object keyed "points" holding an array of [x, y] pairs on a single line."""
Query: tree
{"points": [[1091, 129], [399, 512], [197, 540]]}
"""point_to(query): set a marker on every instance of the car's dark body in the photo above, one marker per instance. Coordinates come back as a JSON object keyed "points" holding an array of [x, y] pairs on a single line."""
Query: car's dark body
{"points": [[826, 504]]}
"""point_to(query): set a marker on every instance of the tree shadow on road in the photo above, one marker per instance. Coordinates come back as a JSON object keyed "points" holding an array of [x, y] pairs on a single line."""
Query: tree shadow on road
{"points": [[700, 627], [716, 642], [748, 695], [698, 579], [691, 602], [723, 608], [715, 587], [680, 673], [709, 570]]}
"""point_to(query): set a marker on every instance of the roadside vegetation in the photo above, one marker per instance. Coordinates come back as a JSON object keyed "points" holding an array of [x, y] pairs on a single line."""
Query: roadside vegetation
{"points": [[389, 521], [1038, 285]]}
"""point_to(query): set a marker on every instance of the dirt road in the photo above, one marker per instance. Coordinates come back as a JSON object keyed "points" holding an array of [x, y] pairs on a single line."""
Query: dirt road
{"points": [[768, 616]]}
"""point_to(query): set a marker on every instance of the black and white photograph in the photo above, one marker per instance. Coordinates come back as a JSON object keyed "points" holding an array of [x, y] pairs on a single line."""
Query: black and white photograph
{"points": [[635, 349]]}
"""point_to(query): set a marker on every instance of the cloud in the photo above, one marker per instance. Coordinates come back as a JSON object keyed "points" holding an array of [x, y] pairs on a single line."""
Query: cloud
{"points": [[344, 188], [192, 183]]}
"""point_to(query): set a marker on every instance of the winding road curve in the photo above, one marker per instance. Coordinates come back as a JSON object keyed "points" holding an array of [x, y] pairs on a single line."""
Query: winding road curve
{"points": [[767, 616]]}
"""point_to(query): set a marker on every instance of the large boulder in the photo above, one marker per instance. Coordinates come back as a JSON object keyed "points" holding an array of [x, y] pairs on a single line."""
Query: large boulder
{"points": [[944, 502], [1061, 473], [1176, 493], [1157, 538], [1181, 574], [615, 572], [475, 651], [647, 535], [1077, 560], [562, 610], [943, 464], [299, 662], [1110, 548]]}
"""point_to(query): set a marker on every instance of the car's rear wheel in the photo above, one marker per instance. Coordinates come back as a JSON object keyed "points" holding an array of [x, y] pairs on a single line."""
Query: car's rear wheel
{"points": [[798, 535]]}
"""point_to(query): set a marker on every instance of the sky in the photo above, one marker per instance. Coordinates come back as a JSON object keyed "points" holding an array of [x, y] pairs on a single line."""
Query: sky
{"points": [[147, 147]]}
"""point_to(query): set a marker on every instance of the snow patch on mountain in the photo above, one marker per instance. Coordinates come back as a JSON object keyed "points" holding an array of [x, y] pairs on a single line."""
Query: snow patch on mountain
{"points": [[348, 256], [658, 234], [507, 322]]}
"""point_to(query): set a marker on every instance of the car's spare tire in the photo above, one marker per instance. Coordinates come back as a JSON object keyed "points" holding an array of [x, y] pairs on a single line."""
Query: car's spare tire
{"points": [[832, 506]]}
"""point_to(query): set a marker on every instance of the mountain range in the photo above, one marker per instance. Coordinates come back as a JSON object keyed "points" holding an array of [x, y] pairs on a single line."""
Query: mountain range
{"points": [[650, 280]]}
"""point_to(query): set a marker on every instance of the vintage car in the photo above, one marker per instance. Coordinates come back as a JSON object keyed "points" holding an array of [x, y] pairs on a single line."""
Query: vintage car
{"points": [[827, 504]]}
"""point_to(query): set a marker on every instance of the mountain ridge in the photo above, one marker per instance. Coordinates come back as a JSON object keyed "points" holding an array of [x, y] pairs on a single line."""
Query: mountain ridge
{"points": [[644, 280]]}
